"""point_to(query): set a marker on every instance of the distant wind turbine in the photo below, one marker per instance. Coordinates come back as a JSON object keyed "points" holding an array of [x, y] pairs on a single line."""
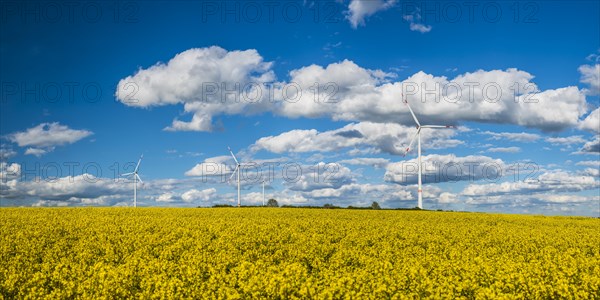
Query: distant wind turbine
{"points": [[418, 137], [136, 177], [237, 169]]}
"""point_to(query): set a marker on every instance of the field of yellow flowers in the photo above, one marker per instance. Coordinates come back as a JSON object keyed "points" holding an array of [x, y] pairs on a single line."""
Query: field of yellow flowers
{"points": [[96, 253]]}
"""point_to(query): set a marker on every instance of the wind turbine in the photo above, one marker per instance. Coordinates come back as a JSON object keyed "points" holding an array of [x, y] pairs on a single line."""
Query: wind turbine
{"points": [[237, 168], [136, 177], [418, 137]]}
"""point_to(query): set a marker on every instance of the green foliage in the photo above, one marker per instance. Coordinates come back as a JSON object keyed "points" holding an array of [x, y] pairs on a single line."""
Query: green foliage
{"points": [[330, 206], [272, 203]]}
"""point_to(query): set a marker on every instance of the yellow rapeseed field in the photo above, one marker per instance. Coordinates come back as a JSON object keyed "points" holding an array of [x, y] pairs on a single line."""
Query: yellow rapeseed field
{"points": [[59, 253]]}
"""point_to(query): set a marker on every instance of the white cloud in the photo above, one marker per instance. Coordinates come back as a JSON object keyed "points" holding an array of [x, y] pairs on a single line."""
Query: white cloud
{"points": [[349, 92], [414, 20], [375, 162], [319, 176], [591, 75], [49, 203], [556, 181], [420, 27], [384, 137], [589, 163], [595, 172], [553, 198], [74, 189], [445, 168], [568, 140], [363, 195], [358, 10], [200, 79], [513, 136], [447, 198], [6, 152], [286, 198], [168, 197], [45, 136], [212, 166], [591, 122], [9, 171], [36, 151], [592, 146], [196, 195], [86, 189], [504, 150], [481, 96]]}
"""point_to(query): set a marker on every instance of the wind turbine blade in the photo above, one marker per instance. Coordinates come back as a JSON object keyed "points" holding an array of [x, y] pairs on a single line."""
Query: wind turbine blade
{"points": [[127, 174], [231, 152], [412, 113], [138, 164], [412, 141], [138, 177], [437, 126], [236, 169]]}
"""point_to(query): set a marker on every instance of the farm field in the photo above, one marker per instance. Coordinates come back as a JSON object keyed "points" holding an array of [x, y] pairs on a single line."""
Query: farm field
{"points": [[294, 253]]}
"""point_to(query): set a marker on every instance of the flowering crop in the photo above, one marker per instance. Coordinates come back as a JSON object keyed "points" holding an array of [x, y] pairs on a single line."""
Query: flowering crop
{"points": [[294, 253]]}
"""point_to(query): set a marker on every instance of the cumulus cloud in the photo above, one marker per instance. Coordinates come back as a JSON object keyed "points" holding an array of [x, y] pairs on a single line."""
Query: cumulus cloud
{"points": [[37, 152], [346, 91], [513, 136], [556, 181], [359, 10], [49, 203], [383, 137], [595, 172], [208, 81], [448, 198], [592, 146], [213, 166], [414, 20], [199, 195], [74, 189], [561, 199], [168, 197], [591, 75], [357, 194], [480, 96], [589, 163], [445, 168], [86, 189], [504, 150], [375, 162], [591, 122], [9, 171], [319, 176], [6, 152], [568, 140], [45, 136]]}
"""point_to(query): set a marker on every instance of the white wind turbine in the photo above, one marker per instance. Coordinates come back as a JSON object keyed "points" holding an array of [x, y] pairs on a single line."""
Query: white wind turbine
{"points": [[136, 177], [237, 170], [418, 136]]}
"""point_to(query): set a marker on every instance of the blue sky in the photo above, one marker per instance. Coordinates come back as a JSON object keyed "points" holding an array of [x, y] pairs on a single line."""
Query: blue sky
{"points": [[69, 126]]}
